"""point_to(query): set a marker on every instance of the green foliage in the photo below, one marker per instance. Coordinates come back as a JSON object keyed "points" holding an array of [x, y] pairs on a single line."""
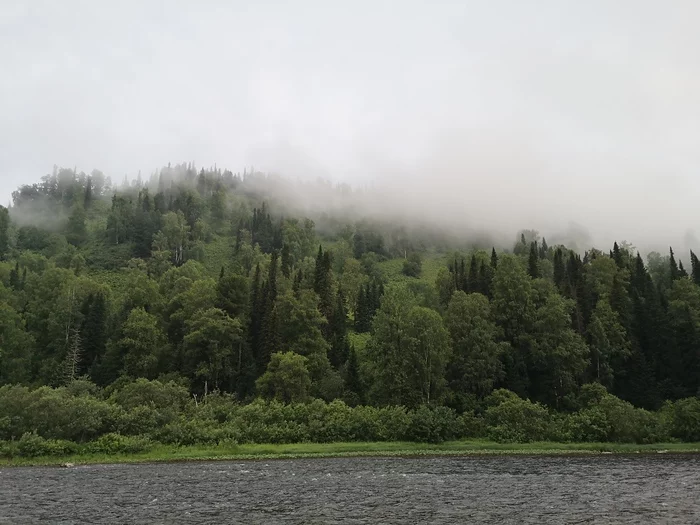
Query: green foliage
{"points": [[114, 443], [511, 419], [412, 265], [287, 378], [31, 445], [196, 279], [685, 419]]}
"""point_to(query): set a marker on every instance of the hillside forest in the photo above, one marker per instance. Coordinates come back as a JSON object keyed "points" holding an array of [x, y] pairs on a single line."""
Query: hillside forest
{"points": [[198, 305]]}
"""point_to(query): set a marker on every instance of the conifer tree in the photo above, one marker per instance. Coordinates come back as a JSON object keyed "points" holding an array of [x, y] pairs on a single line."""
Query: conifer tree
{"points": [[617, 255], [93, 331], [14, 277], [361, 308], [87, 201], [473, 281], [494, 258], [559, 269], [675, 273], [286, 263], [353, 381], [338, 333], [462, 283], [533, 261], [695, 268], [4, 229], [484, 284]]}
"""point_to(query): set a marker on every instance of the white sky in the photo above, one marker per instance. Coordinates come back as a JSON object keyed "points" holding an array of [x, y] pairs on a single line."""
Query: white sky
{"points": [[512, 113]]}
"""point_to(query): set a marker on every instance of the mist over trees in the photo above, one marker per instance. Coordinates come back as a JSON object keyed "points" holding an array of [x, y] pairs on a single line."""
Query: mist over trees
{"points": [[209, 280]]}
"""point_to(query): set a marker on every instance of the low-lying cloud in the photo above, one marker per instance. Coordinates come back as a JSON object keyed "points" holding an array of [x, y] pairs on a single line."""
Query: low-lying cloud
{"points": [[561, 117]]}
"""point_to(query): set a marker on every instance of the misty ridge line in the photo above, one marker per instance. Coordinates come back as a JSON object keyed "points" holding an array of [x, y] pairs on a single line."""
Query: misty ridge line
{"points": [[328, 203]]}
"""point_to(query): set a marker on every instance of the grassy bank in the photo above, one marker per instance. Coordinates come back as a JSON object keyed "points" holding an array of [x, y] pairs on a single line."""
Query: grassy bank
{"points": [[165, 453]]}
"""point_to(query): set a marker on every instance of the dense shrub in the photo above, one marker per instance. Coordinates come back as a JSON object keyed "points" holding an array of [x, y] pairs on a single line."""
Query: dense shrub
{"points": [[129, 416], [114, 443], [432, 425], [685, 419], [54, 414], [167, 397], [512, 419], [186, 431], [31, 445]]}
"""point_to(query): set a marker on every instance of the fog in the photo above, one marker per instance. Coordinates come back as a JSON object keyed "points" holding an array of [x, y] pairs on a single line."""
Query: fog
{"points": [[574, 116]]}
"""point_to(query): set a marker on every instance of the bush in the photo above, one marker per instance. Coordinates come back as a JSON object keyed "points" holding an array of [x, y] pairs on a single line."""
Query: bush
{"points": [[432, 425], [412, 266], [589, 425], [393, 423], [31, 445], [516, 420], [685, 419], [8, 449], [141, 420], [114, 443], [168, 398], [54, 413], [195, 431], [608, 418]]}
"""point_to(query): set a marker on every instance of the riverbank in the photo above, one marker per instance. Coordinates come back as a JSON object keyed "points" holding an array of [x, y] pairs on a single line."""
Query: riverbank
{"points": [[170, 453]]}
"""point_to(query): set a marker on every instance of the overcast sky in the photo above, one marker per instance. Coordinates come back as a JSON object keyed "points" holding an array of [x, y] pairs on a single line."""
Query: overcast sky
{"points": [[524, 114]]}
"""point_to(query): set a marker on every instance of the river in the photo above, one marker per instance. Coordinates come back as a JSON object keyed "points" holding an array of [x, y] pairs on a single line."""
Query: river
{"points": [[506, 489]]}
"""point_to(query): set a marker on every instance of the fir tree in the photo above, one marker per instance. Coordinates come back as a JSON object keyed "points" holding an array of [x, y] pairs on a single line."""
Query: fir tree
{"points": [[484, 284], [338, 333], [695, 267], [559, 269], [93, 331], [4, 229], [286, 263], [494, 258], [14, 277], [533, 262], [675, 273], [362, 310], [617, 256], [87, 200], [473, 281], [353, 382]]}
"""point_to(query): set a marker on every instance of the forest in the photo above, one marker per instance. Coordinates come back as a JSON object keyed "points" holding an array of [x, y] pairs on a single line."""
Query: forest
{"points": [[201, 306]]}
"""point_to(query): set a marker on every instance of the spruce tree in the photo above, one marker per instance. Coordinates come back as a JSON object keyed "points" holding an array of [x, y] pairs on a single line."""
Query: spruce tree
{"points": [[473, 281], [695, 267], [338, 333], [4, 229], [361, 311], [93, 331], [675, 273], [286, 263], [353, 381], [484, 283], [14, 277], [533, 261], [462, 283], [559, 269], [494, 258], [87, 200], [318, 271]]}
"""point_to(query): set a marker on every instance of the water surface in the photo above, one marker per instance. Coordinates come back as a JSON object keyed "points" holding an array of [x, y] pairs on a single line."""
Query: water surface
{"points": [[510, 489]]}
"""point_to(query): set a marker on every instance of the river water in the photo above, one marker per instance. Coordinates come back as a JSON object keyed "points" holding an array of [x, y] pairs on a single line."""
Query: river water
{"points": [[511, 489]]}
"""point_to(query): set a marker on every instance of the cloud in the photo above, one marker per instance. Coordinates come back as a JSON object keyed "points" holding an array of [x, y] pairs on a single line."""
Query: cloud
{"points": [[496, 114]]}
